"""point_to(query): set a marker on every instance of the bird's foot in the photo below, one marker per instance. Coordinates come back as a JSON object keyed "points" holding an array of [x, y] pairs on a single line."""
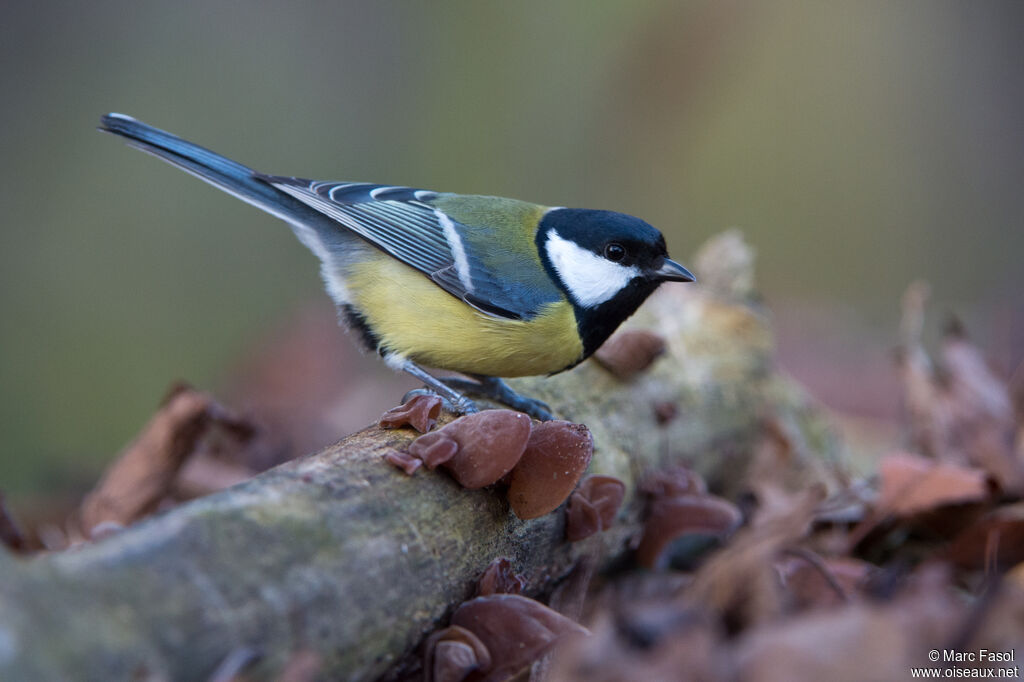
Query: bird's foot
{"points": [[497, 390], [452, 398], [460, 404], [452, 391]]}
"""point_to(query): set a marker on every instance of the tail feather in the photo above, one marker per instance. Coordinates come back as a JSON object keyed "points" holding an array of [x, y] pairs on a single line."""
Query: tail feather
{"points": [[219, 171]]}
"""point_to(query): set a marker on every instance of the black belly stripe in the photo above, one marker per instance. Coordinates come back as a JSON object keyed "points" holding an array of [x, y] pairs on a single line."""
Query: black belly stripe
{"points": [[357, 323]]}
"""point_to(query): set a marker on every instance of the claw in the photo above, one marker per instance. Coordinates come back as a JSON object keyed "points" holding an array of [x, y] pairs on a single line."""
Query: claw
{"points": [[466, 406], [451, 390], [461, 406], [536, 409]]}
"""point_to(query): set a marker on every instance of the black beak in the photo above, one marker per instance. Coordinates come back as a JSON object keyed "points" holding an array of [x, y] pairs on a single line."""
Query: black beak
{"points": [[672, 271]]}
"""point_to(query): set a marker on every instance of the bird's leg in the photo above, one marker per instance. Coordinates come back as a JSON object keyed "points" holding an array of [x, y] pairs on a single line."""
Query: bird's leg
{"points": [[459, 403], [461, 385], [498, 391]]}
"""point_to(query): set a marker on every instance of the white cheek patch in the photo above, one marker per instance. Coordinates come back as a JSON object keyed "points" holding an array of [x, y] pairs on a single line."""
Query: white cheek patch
{"points": [[590, 279]]}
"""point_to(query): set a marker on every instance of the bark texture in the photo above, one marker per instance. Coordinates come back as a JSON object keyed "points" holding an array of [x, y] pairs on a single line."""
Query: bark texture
{"points": [[344, 555]]}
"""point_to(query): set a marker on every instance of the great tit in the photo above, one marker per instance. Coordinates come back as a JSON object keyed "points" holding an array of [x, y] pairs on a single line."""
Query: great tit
{"points": [[484, 286]]}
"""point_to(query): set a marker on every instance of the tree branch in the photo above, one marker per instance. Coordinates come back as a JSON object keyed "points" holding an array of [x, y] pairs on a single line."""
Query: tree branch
{"points": [[342, 554]]}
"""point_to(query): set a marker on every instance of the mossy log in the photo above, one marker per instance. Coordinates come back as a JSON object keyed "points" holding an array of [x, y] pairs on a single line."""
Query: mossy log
{"points": [[341, 554]]}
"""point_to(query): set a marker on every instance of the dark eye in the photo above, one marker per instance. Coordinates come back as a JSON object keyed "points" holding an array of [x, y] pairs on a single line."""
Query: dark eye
{"points": [[614, 252]]}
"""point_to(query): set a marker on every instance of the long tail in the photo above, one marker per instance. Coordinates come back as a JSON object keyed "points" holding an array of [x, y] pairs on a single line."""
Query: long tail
{"points": [[219, 171]]}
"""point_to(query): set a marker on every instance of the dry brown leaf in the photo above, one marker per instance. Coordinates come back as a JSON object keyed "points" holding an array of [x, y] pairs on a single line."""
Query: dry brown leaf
{"points": [[994, 543], [912, 484], [978, 391], [959, 412], [141, 477], [812, 582], [680, 647], [203, 474], [860, 642], [739, 581]]}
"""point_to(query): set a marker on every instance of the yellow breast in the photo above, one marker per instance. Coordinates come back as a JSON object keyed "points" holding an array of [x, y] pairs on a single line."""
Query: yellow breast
{"points": [[417, 319]]}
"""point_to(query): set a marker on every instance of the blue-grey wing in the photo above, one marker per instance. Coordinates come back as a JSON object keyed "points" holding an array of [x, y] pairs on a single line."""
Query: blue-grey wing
{"points": [[402, 222]]}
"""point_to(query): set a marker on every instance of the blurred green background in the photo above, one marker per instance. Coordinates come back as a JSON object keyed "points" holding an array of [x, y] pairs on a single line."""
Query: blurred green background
{"points": [[859, 145]]}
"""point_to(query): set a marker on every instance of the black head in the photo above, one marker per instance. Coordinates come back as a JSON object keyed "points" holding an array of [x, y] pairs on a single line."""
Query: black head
{"points": [[607, 264]]}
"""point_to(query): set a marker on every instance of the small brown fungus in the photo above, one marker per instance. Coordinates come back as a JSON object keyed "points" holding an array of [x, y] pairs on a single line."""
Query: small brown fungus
{"points": [[515, 630], [404, 461], [479, 448], [434, 448], [593, 506], [673, 482], [665, 411], [453, 653], [420, 412], [499, 578], [672, 518], [556, 456], [630, 352]]}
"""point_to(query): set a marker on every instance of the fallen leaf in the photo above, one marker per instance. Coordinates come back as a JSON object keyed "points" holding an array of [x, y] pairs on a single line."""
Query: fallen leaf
{"points": [[860, 642], [141, 477], [812, 582], [685, 647], [738, 581], [994, 542], [202, 474], [912, 484]]}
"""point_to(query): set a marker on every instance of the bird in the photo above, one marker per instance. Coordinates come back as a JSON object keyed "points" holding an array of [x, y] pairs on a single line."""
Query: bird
{"points": [[484, 286]]}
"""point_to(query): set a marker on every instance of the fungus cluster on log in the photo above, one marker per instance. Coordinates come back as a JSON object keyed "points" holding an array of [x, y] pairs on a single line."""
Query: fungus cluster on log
{"points": [[494, 638], [541, 463], [592, 508], [420, 412], [681, 516]]}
